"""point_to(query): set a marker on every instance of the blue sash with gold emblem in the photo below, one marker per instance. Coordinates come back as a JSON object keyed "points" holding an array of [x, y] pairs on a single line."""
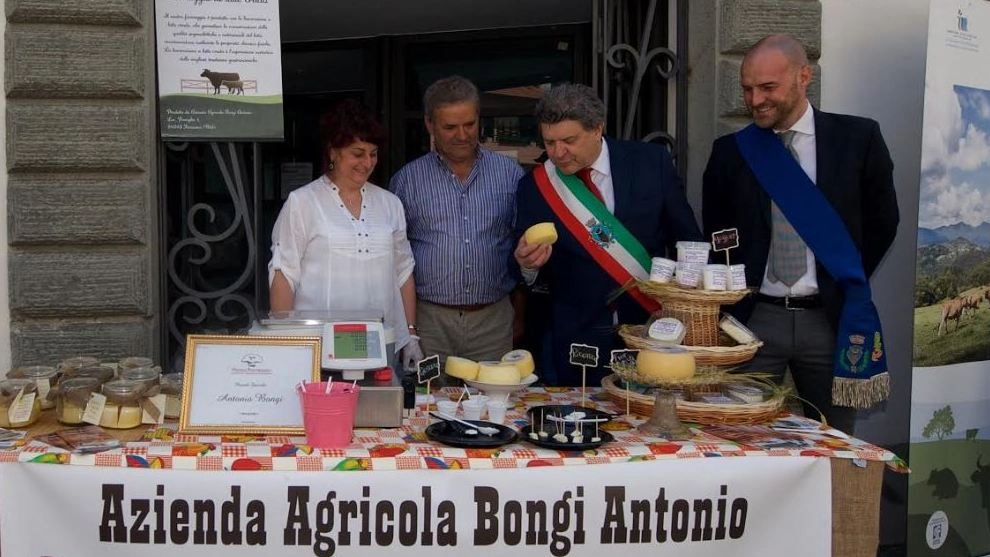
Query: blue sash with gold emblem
{"points": [[860, 377]]}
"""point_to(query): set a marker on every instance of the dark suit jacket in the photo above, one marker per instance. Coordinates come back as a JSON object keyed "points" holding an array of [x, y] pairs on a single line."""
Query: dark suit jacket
{"points": [[650, 203], [854, 172]]}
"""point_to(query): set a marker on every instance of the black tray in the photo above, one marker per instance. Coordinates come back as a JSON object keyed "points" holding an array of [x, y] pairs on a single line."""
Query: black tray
{"points": [[540, 413], [453, 434], [549, 443]]}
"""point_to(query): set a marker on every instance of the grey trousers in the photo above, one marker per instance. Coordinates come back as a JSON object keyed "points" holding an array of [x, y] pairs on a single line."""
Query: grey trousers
{"points": [[485, 334], [804, 342]]}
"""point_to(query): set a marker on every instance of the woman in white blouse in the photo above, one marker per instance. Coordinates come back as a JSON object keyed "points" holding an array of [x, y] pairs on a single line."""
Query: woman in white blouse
{"points": [[340, 243]]}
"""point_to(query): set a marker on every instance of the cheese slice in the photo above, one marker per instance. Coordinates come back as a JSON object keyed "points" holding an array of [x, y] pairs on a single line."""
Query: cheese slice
{"points": [[461, 368], [666, 365], [499, 374], [542, 233], [523, 360]]}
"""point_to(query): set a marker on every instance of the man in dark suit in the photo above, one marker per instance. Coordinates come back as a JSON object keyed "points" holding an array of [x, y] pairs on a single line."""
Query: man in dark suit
{"points": [[797, 308], [594, 190]]}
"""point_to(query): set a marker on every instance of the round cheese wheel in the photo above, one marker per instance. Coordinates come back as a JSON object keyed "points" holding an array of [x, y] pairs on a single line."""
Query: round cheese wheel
{"points": [[523, 361], [461, 368], [499, 374], [666, 365], [542, 233]]}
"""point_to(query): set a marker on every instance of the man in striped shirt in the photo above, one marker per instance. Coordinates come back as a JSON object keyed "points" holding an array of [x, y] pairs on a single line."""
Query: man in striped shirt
{"points": [[460, 204]]}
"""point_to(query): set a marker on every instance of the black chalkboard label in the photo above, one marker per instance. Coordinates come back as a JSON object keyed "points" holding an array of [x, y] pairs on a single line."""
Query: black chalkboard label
{"points": [[725, 239], [428, 369], [624, 358], [584, 355]]}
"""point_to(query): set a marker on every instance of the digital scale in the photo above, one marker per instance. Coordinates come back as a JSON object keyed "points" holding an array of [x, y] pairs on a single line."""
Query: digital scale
{"points": [[355, 347]]}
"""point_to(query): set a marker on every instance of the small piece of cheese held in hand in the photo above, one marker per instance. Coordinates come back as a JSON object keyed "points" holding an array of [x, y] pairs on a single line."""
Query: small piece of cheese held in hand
{"points": [[542, 233]]}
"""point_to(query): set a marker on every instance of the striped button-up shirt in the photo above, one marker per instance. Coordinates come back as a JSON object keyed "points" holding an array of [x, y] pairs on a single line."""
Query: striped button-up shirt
{"points": [[460, 232]]}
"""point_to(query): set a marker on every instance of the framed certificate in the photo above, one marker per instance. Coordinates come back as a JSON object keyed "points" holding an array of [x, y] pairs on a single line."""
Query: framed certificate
{"points": [[246, 384]]}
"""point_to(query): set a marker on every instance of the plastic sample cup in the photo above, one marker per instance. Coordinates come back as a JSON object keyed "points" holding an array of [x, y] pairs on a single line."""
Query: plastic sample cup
{"points": [[448, 406], [473, 407], [496, 411], [328, 417]]}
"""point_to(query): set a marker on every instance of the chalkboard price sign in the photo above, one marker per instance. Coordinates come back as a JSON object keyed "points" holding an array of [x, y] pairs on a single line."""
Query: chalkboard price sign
{"points": [[624, 358], [428, 369], [725, 239], [584, 355]]}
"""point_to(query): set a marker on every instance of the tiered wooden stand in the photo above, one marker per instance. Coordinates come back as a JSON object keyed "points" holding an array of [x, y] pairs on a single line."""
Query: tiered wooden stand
{"points": [[715, 353]]}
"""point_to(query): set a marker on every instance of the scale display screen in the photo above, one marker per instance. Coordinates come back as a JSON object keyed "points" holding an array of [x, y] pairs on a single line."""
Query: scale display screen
{"points": [[350, 341], [356, 344]]}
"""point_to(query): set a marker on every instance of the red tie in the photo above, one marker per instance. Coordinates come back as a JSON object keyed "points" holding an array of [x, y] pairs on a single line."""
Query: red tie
{"points": [[585, 175]]}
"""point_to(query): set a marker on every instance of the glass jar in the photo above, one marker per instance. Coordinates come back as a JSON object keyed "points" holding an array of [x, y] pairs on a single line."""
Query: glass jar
{"points": [[101, 373], [9, 390], [135, 361], [123, 407], [147, 376], [72, 396], [69, 365], [44, 376], [171, 384]]}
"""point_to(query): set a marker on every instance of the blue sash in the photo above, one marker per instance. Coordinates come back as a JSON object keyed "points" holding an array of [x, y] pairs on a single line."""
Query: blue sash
{"points": [[860, 377]]}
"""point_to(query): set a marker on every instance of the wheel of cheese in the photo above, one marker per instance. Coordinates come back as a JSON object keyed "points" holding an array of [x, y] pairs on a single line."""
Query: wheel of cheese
{"points": [[500, 373], [542, 233], [666, 365], [523, 361], [461, 368]]}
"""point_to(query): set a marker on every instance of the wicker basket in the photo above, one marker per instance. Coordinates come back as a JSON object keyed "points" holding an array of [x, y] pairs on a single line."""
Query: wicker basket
{"points": [[698, 412], [726, 355], [697, 309]]}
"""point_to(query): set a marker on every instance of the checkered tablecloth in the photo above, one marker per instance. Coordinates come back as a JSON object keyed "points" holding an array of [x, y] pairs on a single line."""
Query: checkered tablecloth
{"points": [[408, 447]]}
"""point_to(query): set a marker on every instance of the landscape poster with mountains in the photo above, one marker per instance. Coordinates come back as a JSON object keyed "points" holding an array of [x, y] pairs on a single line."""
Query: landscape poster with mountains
{"points": [[949, 491], [219, 70]]}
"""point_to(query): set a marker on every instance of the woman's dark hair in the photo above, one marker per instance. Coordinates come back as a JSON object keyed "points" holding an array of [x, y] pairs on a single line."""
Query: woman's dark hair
{"points": [[346, 122]]}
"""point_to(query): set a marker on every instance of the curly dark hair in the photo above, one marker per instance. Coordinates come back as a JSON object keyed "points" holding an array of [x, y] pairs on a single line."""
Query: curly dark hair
{"points": [[346, 122]]}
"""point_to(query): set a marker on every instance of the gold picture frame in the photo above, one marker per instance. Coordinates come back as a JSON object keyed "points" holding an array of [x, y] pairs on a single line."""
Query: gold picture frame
{"points": [[246, 384]]}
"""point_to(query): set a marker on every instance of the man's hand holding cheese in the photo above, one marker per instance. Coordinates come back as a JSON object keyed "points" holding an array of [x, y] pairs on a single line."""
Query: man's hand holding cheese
{"points": [[613, 204]]}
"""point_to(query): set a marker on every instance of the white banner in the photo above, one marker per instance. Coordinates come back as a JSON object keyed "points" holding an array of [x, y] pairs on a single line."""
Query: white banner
{"points": [[691, 507], [950, 393]]}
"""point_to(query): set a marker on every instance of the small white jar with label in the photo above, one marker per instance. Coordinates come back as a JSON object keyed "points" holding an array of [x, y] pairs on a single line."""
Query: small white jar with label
{"points": [[689, 275], [692, 252], [737, 277], [662, 269], [716, 277]]}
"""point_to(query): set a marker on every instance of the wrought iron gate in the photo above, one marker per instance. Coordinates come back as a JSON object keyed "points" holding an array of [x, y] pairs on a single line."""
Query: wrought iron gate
{"points": [[640, 48]]}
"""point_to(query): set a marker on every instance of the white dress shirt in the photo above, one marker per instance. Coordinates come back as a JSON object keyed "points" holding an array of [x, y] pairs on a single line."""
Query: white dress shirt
{"points": [[803, 145], [341, 263], [601, 176]]}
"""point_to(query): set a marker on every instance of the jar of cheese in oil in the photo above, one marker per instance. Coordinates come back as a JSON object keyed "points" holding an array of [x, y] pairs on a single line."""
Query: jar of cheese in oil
{"points": [[19, 403]]}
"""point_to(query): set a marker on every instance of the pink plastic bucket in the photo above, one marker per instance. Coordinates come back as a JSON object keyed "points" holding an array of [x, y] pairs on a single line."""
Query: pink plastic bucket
{"points": [[329, 417]]}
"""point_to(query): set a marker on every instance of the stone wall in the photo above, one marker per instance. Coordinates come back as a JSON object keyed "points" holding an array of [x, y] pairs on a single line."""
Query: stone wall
{"points": [[719, 33], [82, 202]]}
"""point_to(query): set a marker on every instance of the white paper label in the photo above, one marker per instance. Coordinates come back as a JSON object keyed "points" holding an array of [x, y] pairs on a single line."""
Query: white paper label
{"points": [[44, 386], [158, 401], [20, 409], [94, 409]]}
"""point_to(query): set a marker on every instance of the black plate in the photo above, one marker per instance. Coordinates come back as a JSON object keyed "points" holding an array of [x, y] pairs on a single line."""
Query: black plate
{"points": [[540, 413], [549, 443], [453, 434]]}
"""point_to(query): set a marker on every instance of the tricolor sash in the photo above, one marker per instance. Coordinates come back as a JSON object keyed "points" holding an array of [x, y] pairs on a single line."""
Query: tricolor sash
{"points": [[608, 242], [860, 377]]}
